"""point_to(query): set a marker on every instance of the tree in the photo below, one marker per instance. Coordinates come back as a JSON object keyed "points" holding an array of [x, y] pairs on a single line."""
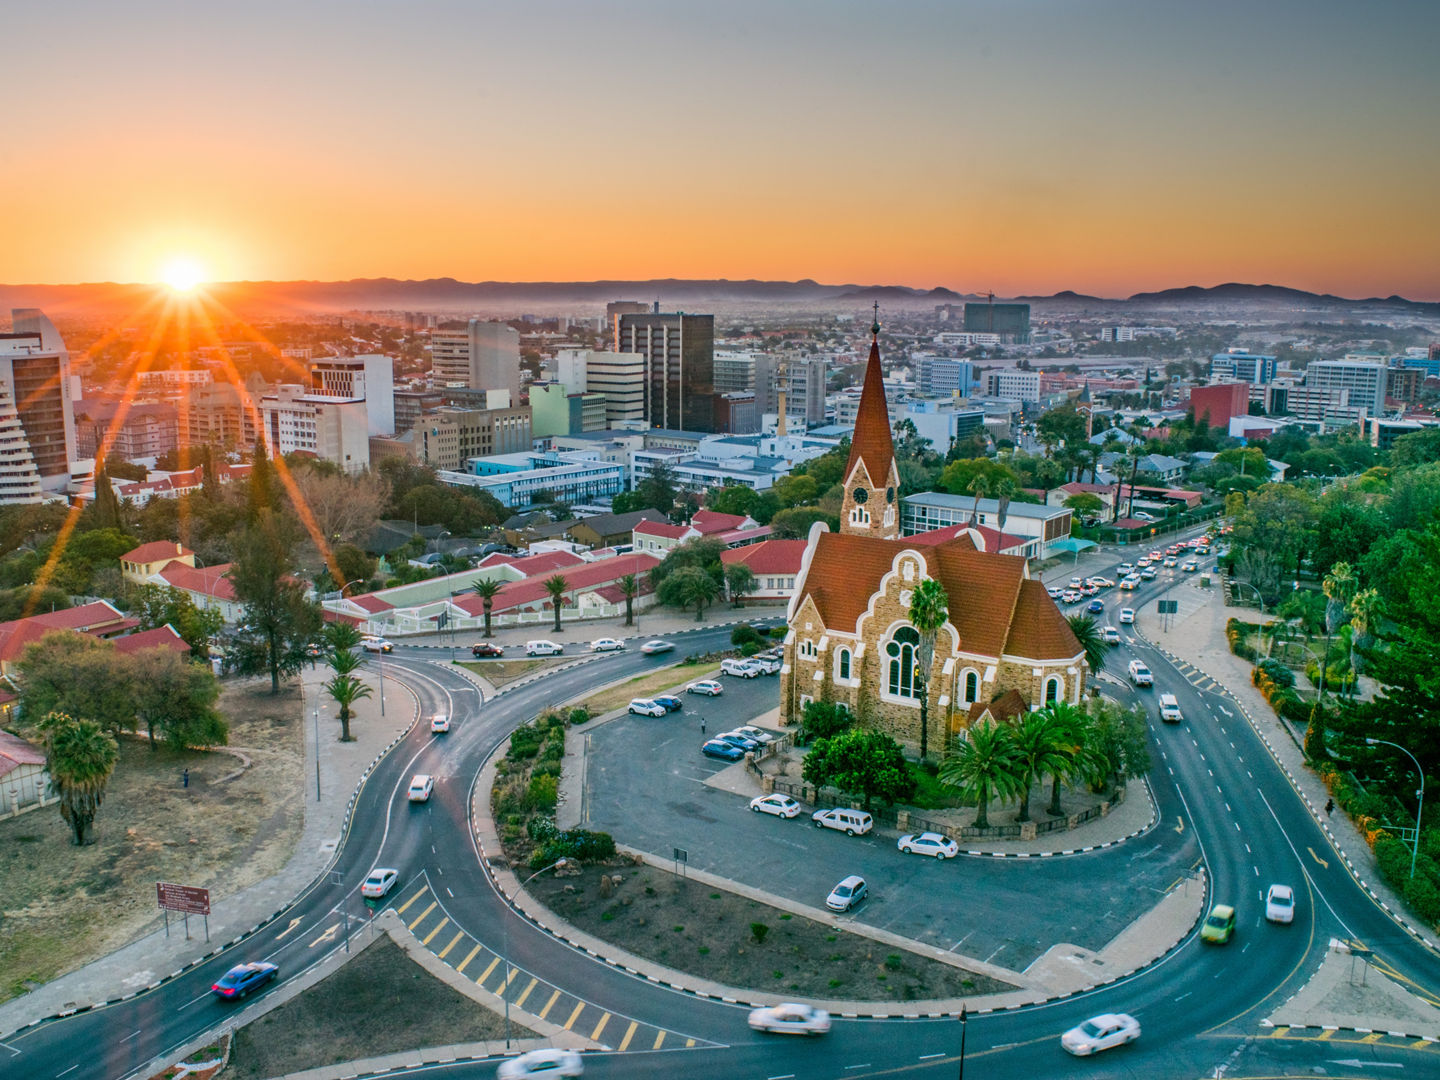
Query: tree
{"points": [[689, 585], [979, 486], [78, 675], [957, 477], [929, 609], [164, 605], [1077, 761], [80, 757], [280, 620], [345, 691], [556, 586], [869, 764], [1085, 504], [1417, 448], [1005, 490], [740, 580], [1040, 749], [629, 588], [825, 719], [487, 589], [657, 491], [341, 636], [343, 507], [1366, 609], [263, 489], [795, 524], [981, 767], [105, 513], [175, 699], [1088, 634], [1118, 739]]}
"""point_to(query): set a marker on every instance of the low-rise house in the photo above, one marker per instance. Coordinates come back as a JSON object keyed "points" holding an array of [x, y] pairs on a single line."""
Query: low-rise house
{"points": [[775, 564], [139, 564], [24, 779]]}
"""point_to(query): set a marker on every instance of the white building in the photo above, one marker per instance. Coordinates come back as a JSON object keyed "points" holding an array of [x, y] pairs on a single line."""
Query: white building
{"points": [[1365, 379], [37, 414], [483, 356], [331, 429], [369, 378], [621, 378], [1013, 384]]}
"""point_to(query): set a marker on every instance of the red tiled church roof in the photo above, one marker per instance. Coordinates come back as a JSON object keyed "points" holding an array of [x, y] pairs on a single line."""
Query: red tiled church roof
{"points": [[768, 556], [872, 442]]}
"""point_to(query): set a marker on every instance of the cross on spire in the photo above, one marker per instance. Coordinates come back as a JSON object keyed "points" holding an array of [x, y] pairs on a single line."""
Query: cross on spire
{"points": [[875, 326]]}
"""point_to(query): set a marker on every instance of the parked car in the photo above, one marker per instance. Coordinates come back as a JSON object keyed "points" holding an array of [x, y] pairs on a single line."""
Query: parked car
{"points": [[779, 805], [379, 883], [376, 644], [486, 648], [1127, 616], [741, 669], [670, 701], [758, 734], [722, 750], [1110, 635], [440, 723], [769, 663], [850, 822], [929, 843], [1140, 674], [1219, 925], [547, 1062], [791, 1019], [708, 687], [1170, 709], [607, 644], [420, 787], [646, 707], [543, 648], [243, 978], [1141, 515], [1280, 904], [653, 648], [734, 738], [847, 894], [1101, 1033]]}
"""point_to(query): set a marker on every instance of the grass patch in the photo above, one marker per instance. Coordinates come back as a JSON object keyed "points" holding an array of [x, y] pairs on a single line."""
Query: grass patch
{"points": [[652, 682], [500, 672], [930, 793]]}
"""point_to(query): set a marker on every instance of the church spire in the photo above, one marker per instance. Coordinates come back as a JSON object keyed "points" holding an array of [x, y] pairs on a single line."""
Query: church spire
{"points": [[869, 505]]}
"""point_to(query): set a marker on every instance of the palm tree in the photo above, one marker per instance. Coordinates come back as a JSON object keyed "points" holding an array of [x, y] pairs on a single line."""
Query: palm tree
{"points": [[80, 756], [342, 635], [487, 589], [1365, 610], [1340, 586], [1005, 490], [929, 608], [1040, 746], [629, 588], [345, 690], [982, 766], [556, 586], [979, 486], [1088, 634], [1070, 723], [700, 589]]}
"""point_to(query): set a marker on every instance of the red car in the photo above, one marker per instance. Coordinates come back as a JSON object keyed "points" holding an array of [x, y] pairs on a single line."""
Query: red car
{"points": [[486, 648]]}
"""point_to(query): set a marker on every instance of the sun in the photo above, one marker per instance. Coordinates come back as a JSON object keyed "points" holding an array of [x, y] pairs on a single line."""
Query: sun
{"points": [[182, 274]]}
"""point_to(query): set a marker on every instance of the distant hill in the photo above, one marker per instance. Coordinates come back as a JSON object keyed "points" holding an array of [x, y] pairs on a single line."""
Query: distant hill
{"points": [[1238, 292]]}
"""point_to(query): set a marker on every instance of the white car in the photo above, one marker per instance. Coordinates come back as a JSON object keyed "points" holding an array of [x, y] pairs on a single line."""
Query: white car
{"points": [[1140, 674], [380, 882], [1280, 904], [1101, 1033], [1110, 635], [708, 687], [779, 805], [1141, 515], [741, 669], [1170, 562], [758, 734], [606, 644], [1190, 566], [1125, 569], [847, 894], [1148, 574], [641, 706], [1075, 583], [1131, 583], [547, 1062], [768, 663], [439, 723], [1127, 615], [543, 648], [791, 1018], [1170, 709], [1102, 583], [652, 648], [929, 843], [1054, 591], [420, 787], [376, 644]]}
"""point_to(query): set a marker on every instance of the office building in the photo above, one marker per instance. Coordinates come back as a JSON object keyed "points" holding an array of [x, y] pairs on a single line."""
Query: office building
{"points": [[1218, 403], [1013, 384], [35, 376], [1365, 379], [804, 382], [938, 510], [369, 378], [1236, 365], [556, 412], [410, 405], [1403, 384], [735, 371], [1010, 321], [450, 437], [943, 420], [483, 356], [679, 352], [139, 430], [330, 429], [221, 415], [737, 412], [617, 308], [941, 375], [1383, 433], [516, 479], [619, 378]]}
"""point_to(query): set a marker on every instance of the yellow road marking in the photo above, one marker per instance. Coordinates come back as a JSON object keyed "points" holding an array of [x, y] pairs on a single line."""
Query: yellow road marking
{"points": [[486, 973], [1327, 1033], [1317, 858], [1423, 1044], [458, 935], [689, 1043], [659, 1038], [510, 977], [579, 1008], [1422, 991], [421, 917], [443, 923], [629, 1034], [599, 1027], [525, 993], [1279, 1032], [1179, 824], [401, 909], [1373, 1037], [468, 957], [550, 1004]]}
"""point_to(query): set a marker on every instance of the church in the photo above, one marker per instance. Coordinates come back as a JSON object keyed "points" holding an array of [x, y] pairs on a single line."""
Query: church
{"points": [[850, 640]]}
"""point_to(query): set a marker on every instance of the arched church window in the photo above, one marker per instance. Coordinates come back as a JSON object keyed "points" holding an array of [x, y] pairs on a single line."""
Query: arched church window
{"points": [[900, 650], [1053, 689], [842, 663], [970, 686]]}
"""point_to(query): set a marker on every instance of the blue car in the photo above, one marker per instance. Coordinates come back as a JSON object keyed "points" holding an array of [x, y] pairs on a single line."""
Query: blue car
{"points": [[735, 739], [1097, 606], [240, 980], [722, 750], [671, 703]]}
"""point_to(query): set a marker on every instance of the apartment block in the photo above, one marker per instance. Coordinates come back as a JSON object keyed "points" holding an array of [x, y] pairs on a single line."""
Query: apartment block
{"points": [[942, 375], [35, 371], [483, 356], [369, 378], [1013, 384], [330, 429], [1239, 366], [1365, 379]]}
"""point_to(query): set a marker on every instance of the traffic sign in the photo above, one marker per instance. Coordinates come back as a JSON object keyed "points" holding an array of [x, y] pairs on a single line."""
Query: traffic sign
{"points": [[186, 899]]}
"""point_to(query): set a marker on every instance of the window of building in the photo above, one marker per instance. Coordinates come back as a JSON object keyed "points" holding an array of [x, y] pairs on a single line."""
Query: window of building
{"points": [[807, 649], [842, 663], [860, 516], [1054, 687], [900, 676], [969, 685]]}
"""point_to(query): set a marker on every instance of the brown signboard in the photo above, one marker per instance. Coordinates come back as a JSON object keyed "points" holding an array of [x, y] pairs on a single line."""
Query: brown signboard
{"points": [[185, 899]]}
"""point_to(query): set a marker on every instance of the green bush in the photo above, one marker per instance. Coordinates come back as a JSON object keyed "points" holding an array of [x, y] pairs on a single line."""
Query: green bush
{"points": [[750, 648], [525, 743], [745, 634], [1279, 674], [779, 631], [1393, 858], [579, 715], [579, 844], [1422, 894], [758, 930], [543, 793]]}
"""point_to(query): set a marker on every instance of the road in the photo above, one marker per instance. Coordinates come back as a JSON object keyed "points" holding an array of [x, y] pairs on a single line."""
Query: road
{"points": [[1200, 1006]]}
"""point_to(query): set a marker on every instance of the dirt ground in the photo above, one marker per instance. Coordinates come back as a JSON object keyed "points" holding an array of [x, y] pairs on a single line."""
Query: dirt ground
{"points": [[335, 1020], [64, 906], [711, 934], [652, 682], [500, 672]]}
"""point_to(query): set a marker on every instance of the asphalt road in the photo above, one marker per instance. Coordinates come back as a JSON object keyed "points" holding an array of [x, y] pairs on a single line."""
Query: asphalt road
{"points": [[1199, 1007]]}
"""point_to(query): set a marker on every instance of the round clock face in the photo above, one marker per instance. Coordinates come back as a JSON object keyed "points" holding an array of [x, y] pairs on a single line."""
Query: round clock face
{"points": [[890, 495], [861, 495]]}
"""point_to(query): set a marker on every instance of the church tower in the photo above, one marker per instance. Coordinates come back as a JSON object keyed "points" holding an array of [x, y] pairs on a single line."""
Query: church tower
{"points": [[872, 482]]}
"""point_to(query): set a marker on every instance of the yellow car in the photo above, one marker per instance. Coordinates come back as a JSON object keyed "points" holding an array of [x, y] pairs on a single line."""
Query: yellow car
{"points": [[1219, 926]]}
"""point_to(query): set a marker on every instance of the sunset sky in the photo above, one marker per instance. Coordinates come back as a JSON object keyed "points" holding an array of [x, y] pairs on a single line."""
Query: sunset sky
{"points": [[1021, 145]]}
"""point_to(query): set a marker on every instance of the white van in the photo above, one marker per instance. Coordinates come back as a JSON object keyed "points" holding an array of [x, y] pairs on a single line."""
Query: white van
{"points": [[850, 822], [543, 648], [1170, 709]]}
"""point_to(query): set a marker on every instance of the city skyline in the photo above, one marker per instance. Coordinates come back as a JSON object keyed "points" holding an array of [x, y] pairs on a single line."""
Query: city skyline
{"points": [[1110, 148]]}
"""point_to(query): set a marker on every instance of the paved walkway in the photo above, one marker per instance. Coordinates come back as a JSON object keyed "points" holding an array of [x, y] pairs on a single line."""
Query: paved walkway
{"points": [[154, 957]]}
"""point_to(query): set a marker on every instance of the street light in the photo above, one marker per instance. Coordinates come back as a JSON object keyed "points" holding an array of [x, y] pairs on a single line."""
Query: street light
{"points": [[1259, 598], [962, 1042], [1414, 847], [357, 581]]}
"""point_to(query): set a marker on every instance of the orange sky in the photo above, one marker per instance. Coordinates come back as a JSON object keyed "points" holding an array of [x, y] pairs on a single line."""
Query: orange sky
{"points": [[1027, 147]]}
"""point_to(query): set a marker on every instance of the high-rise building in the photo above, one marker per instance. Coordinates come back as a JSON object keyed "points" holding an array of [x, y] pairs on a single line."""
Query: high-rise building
{"points": [[1013, 384], [1010, 321], [369, 378], [737, 371], [331, 429], [941, 375], [615, 309], [804, 380], [410, 405], [1236, 365], [35, 372], [19, 478], [483, 356], [679, 352], [221, 415], [620, 378], [1365, 379]]}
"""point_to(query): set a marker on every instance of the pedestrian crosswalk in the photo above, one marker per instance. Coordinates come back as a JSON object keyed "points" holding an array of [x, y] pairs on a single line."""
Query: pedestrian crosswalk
{"points": [[1352, 1037], [425, 917], [1197, 678]]}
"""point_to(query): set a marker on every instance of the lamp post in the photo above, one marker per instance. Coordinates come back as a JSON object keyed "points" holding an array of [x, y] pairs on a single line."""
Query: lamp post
{"points": [[962, 1041], [1419, 809], [357, 581], [317, 745], [1259, 598]]}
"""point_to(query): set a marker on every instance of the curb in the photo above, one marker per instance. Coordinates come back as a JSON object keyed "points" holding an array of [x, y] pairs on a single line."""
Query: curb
{"points": [[1154, 820]]}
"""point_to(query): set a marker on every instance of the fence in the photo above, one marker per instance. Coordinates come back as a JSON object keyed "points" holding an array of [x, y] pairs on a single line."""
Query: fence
{"points": [[1107, 534]]}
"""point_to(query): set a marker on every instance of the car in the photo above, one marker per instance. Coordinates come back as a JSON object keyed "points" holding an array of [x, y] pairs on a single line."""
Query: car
{"points": [[1154, 556], [550, 1061], [1125, 569], [1102, 582], [670, 701], [929, 843], [420, 787], [243, 978], [734, 738], [381, 881], [1089, 590], [708, 687], [543, 648], [1140, 674], [1127, 615], [1148, 574], [1202, 549], [1170, 562], [758, 734], [849, 892], [1190, 566], [654, 648], [607, 644], [1142, 563], [1170, 709], [1110, 635], [1075, 583], [641, 706], [779, 805], [1069, 596], [722, 750], [376, 644], [1054, 591], [791, 1018], [1280, 904], [439, 723], [314, 649], [1101, 1033], [1219, 925], [768, 663], [1095, 607], [1141, 515], [850, 822], [486, 648], [741, 669]]}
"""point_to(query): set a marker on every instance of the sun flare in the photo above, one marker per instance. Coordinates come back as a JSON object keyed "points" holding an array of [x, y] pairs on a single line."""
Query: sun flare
{"points": [[182, 274]]}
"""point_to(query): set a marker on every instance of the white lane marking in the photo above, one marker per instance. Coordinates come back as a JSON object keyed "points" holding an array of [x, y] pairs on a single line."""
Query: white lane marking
{"points": [[132, 1035], [1301, 861], [865, 1066], [71, 1069], [927, 1057]]}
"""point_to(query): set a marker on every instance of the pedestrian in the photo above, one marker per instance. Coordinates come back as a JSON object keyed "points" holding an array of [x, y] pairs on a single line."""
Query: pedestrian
{"points": [[185, 778], [702, 725], [1329, 805]]}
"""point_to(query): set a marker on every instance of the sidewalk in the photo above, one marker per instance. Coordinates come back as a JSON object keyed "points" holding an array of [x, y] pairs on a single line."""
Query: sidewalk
{"points": [[147, 961], [576, 635]]}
